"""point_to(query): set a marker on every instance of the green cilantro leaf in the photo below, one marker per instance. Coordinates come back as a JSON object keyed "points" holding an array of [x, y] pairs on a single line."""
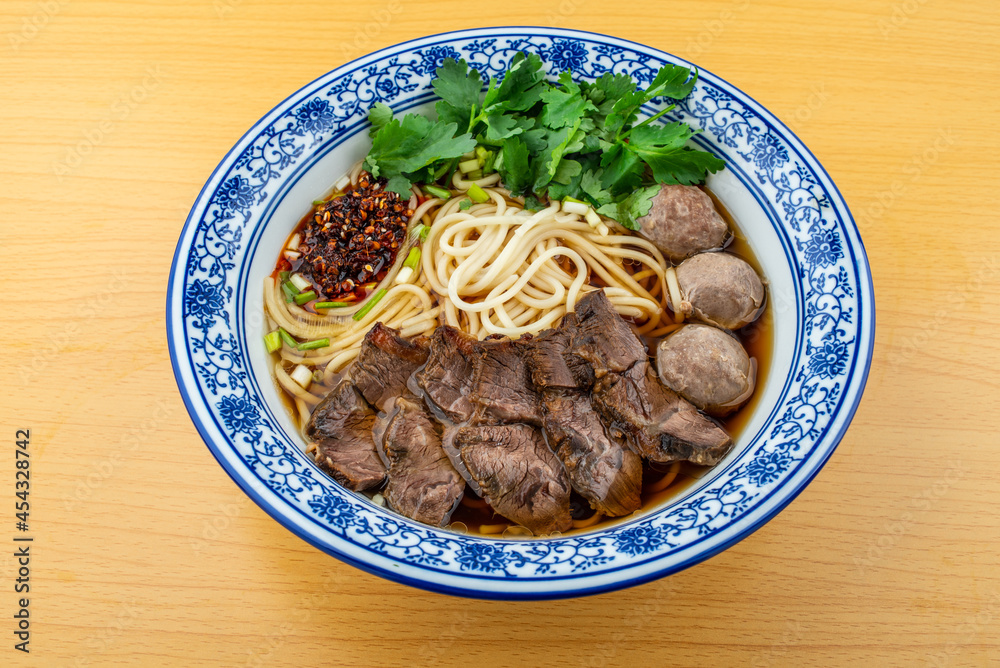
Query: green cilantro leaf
{"points": [[378, 115], [623, 170], [513, 165], [662, 148], [564, 104], [631, 208], [521, 87], [401, 148], [500, 127], [459, 90]]}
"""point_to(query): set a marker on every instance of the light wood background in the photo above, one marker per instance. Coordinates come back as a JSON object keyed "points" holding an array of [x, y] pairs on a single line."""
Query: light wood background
{"points": [[114, 113]]}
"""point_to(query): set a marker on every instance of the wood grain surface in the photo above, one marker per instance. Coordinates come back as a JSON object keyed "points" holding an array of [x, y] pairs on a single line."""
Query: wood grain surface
{"points": [[114, 113]]}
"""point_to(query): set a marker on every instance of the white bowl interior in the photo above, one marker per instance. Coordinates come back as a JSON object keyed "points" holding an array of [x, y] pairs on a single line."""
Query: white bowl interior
{"points": [[331, 162]]}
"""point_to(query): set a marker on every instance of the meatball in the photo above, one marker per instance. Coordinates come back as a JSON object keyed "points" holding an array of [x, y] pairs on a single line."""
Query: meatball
{"points": [[708, 367], [682, 222], [720, 289]]}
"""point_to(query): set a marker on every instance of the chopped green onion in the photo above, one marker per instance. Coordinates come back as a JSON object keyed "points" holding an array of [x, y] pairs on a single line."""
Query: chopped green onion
{"points": [[319, 305], [413, 259], [467, 166], [313, 345], [424, 233], [272, 341], [478, 194], [366, 309], [287, 338], [289, 291], [470, 155], [465, 204], [474, 176], [317, 202], [437, 191], [573, 199], [305, 297], [301, 282], [419, 231], [302, 375], [283, 275], [291, 287]]}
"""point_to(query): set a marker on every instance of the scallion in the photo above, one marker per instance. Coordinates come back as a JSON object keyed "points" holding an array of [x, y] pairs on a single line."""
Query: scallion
{"points": [[322, 305], [289, 292], [478, 194], [317, 202], [302, 375], [287, 338], [418, 231], [313, 345], [366, 309], [305, 297], [283, 275], [438, 191], [413, 259], [272, 341], [300, 281], [474, 176], [467, 166]]}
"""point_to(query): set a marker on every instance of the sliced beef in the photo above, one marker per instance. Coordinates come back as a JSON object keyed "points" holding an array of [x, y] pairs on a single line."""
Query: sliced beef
{"points": [[341, 428], [423, 485], [448, 377], [503, 382], [518, 475], [660, 425], [603, 338], [553, 364], [385, 363], [608, 475]]}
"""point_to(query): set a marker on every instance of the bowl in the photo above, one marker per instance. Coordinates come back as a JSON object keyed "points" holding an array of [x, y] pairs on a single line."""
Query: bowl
{"points": [[793, 217]]}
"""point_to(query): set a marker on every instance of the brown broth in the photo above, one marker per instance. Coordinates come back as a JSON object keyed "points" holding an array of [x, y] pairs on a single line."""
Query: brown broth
{"points": [[757, 338]]}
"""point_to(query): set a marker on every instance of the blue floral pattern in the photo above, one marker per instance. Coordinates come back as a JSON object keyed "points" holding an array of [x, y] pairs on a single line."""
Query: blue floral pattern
{"points": [[213, 251], [433, 57], [566, 54]]}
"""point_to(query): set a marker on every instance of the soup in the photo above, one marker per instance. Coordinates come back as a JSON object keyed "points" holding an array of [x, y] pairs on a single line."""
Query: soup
{"points": [[512, 364]]}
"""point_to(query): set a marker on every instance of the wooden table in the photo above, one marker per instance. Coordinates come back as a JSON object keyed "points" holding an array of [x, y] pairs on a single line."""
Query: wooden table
{"points": [[113, 114]]}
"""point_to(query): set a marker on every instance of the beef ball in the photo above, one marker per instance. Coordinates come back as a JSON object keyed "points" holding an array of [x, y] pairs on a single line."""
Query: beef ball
{"points": [[683, 221], [708, 367], [720, 289]]}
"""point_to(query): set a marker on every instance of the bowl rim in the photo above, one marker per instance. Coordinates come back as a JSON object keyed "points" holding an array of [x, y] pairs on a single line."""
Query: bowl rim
{"points": [[856, 380]]}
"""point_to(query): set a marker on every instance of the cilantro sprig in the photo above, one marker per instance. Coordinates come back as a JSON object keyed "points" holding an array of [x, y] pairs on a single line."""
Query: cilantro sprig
{"points": [[547, 139]]}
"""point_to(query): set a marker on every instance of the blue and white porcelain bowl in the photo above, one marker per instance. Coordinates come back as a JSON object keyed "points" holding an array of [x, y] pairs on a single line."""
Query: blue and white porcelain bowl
{"points": [[784, 202]]}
